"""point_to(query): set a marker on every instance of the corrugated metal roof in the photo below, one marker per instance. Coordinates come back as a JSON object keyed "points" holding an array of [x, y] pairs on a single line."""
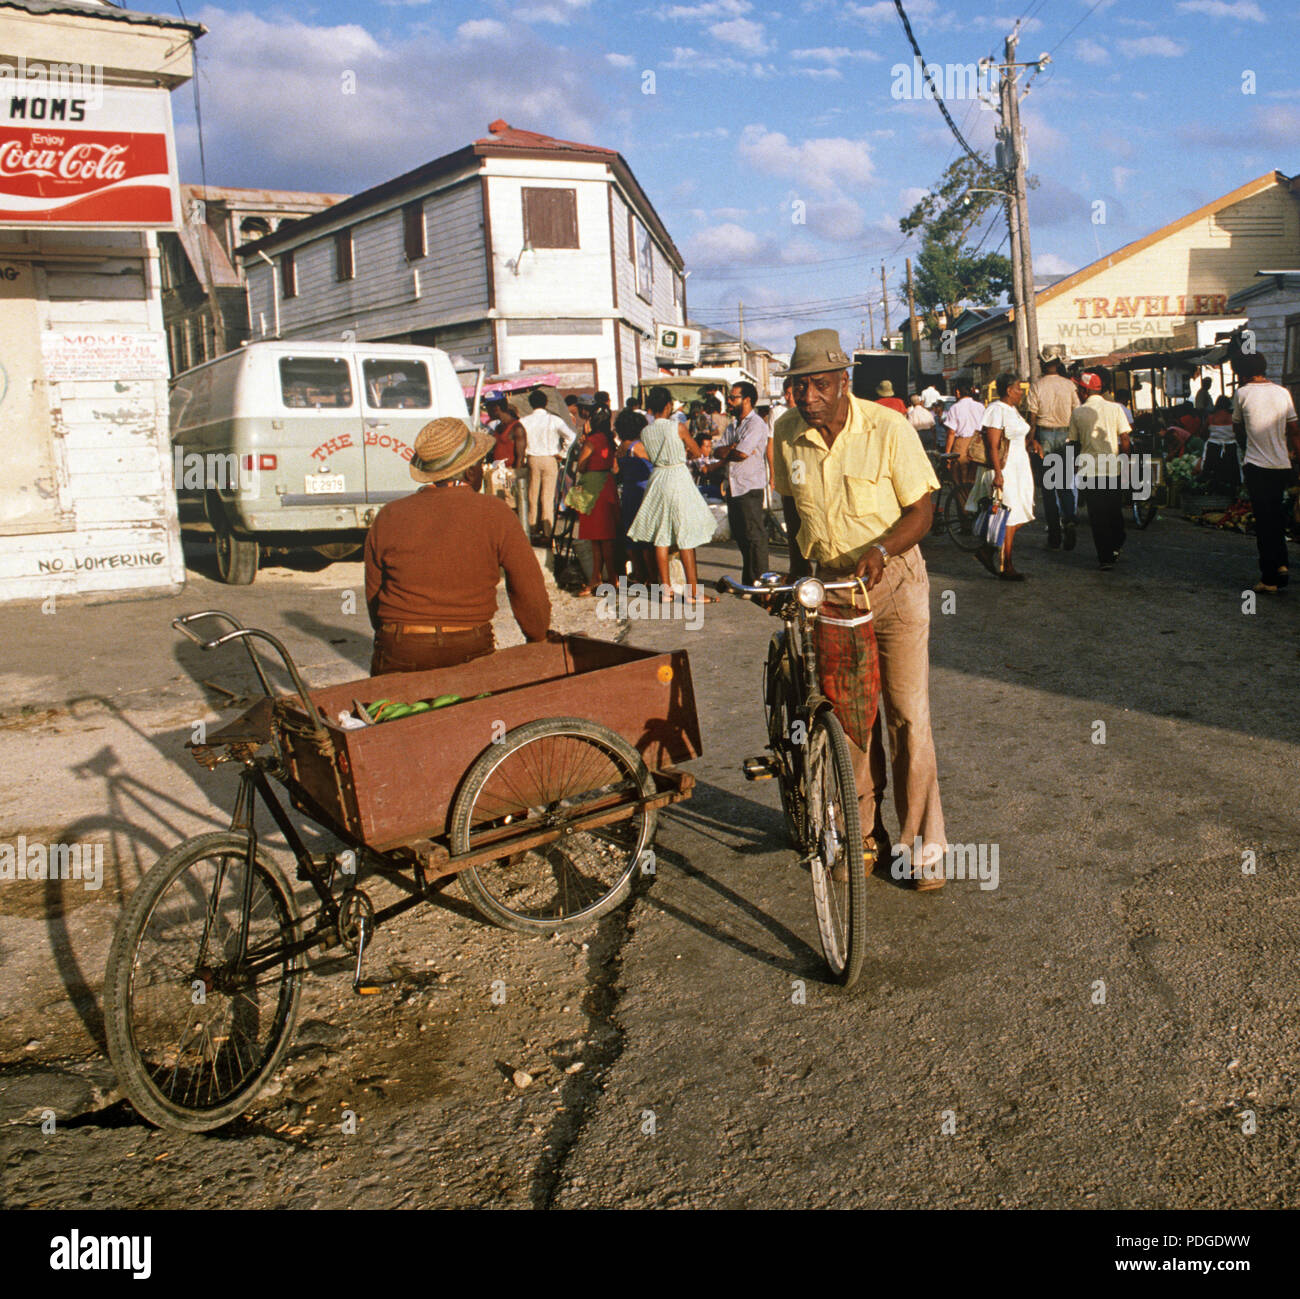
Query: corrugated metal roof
{"points": [[505, 136], [86, 9]]}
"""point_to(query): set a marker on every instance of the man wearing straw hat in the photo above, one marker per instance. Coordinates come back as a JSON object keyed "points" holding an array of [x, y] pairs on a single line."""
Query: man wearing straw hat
{"points": [[433, 560], [862, 484]]}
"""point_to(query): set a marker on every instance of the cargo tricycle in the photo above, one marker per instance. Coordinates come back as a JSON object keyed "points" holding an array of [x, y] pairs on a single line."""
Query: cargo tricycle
{"points": [[538, 786]]}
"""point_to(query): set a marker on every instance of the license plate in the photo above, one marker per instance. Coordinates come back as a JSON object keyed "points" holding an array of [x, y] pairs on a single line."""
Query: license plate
{"points": [[324, 484]]}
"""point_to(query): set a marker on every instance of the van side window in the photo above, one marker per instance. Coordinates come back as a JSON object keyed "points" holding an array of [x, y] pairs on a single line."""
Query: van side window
{"points": [[315, 382], [396, 385]]}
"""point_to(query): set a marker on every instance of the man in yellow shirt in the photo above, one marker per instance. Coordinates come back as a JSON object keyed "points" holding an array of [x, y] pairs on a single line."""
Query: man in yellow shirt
{"points": [[862, 482]]}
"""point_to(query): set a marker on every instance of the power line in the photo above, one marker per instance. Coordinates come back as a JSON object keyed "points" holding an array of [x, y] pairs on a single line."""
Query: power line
{"points": [[938, 99], [1075, 28]]}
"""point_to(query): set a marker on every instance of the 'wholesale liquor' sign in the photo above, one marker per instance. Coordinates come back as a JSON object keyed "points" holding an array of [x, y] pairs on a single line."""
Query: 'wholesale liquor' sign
{"points": [[74, 157]]}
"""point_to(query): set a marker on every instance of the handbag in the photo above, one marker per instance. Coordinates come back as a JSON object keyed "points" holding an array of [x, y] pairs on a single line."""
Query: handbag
{"points": [[582, 496], [977, 453], [991, 522]]}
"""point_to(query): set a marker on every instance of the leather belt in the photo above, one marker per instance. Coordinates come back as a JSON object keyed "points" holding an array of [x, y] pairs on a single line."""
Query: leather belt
{"points": [[426, 629]]}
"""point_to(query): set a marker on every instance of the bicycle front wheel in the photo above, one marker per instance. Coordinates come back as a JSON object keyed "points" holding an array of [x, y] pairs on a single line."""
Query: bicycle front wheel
{"points": [[195, 1024], [839, 874], [1144, 512], [959, 524], [778, 703]]}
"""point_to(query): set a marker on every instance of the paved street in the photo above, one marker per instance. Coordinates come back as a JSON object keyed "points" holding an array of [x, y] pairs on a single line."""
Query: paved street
{"points": [[1111, 1026]]}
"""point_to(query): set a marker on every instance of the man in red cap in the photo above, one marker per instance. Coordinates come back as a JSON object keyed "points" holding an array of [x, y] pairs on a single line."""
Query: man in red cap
{"points": [[1101, 429]]}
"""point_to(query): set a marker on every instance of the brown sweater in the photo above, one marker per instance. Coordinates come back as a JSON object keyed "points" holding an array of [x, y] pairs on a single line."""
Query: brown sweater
{"points": [[436, 556]]}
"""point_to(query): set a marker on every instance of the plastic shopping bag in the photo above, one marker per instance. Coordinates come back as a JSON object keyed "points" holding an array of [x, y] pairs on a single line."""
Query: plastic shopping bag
{"points": [[991, 520]]}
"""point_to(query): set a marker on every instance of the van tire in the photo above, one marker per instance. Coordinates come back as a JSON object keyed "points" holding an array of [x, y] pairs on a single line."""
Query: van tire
{"points": [[236, 556]]}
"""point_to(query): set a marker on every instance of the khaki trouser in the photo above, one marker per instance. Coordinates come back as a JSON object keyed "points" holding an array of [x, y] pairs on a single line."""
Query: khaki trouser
{"points": [[543, 472], [900, 604]]}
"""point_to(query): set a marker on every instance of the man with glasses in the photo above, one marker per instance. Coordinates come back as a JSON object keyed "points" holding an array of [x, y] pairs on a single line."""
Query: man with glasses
{"points": [[862, 482], [743, 449]]}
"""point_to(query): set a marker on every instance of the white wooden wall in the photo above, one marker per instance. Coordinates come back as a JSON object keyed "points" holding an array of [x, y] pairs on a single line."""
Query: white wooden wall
{"points": [[112, 449]]}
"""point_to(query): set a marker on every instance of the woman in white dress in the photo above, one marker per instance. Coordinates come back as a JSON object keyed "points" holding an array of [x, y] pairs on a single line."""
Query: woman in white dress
{"points": [[1008, 470]]}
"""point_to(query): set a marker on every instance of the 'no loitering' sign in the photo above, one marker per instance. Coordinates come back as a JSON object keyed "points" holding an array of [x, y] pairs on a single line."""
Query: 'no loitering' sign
{"points": [[78, 154]]}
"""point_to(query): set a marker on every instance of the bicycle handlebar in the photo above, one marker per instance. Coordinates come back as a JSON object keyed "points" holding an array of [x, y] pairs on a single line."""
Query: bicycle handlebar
{"points": [[729, 586], [241, 633]]}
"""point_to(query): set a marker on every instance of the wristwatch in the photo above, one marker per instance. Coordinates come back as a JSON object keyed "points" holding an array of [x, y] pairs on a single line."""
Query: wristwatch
{"points": [[885, 556]]}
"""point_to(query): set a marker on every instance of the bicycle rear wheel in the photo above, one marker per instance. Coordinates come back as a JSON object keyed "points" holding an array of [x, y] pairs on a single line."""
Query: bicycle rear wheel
{"points": [[960, 524], [839, 874], [541, 777], [192, 1033]]}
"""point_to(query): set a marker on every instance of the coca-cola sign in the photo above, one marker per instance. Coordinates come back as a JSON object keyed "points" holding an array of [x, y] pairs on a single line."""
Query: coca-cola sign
{"points": [[72, 159]]}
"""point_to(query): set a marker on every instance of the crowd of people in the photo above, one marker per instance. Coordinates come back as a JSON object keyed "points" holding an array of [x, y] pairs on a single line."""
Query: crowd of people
{"points": [[641, 495]]}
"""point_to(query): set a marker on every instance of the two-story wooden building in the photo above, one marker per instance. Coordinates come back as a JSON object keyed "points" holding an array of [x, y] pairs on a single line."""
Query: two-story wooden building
{"points": [[516, 252]]}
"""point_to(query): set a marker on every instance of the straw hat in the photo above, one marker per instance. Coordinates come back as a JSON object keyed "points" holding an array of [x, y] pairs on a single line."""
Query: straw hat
{"points": [[884, 388], [444, 447], [817, 352]]}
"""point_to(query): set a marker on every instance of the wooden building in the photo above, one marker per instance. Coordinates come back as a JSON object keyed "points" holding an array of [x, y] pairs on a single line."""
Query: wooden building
{"points": [[516, 252], [1162, 292], [205, 301], [87, 179]]}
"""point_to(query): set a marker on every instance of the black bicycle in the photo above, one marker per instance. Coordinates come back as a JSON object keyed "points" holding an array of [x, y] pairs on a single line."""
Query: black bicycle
{"points": [[950, 514], [808, 756]]}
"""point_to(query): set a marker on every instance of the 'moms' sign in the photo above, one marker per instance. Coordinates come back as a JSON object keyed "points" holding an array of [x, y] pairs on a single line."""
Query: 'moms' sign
{"points": [[105, 157]]}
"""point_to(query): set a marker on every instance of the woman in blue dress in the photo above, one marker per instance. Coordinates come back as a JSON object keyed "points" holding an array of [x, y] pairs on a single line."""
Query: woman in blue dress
{"points": [[672, 513], [632, 468]]}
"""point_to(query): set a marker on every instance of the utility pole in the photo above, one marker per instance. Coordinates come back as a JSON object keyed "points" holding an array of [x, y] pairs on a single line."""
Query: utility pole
{"points": [[913, 335], [884, 294], [1006, 172], [1016, 143], [871, 325]]}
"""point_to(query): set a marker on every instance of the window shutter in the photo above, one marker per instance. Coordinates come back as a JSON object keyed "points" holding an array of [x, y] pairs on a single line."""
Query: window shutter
{"points": [[343, 267], [288, 276], [550, 218], [413, 230]]}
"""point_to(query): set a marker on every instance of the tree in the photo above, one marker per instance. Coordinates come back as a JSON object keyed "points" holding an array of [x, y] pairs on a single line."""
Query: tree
{"points": [[948, 272]]}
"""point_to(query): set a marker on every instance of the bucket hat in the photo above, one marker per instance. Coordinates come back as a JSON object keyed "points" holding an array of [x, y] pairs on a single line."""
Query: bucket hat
{"points": [[817, 352], [884, 388]]}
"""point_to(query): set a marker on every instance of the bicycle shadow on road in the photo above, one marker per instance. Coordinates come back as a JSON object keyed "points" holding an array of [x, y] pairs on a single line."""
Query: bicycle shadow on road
{"points": [[712, 908]]}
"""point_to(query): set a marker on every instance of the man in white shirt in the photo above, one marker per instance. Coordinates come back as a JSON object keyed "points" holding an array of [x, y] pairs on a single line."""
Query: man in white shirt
{"points": [[1101, 429], [1265, 413], [920, 418], [931, 397], [547, 438], [1050, 403], [963, 423]]}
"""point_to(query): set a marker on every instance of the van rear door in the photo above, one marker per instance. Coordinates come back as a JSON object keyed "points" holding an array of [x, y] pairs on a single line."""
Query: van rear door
{"points": [[397, 401], [324, 459]]}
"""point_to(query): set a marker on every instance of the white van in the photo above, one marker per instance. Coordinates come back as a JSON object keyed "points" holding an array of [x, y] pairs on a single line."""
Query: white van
{"points": [[299, 443]]}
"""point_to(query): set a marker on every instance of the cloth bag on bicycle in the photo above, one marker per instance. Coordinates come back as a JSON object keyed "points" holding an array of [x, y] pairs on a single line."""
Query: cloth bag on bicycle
{"points": [[848, 664]]}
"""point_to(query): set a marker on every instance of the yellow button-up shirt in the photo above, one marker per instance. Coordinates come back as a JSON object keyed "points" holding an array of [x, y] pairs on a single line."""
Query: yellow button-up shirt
{"points": [[851, 493]]}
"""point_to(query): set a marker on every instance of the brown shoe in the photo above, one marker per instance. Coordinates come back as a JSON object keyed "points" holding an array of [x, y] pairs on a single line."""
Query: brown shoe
{"points": [[922, 885]]}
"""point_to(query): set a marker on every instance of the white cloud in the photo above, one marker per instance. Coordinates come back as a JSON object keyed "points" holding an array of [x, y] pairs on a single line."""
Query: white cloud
{"points": [[558, 12], [839, 220], [710, 133], [687, 59], [1119, 176], [711, 11], [730, 213], [834, 54], [1051, 264], [742, 34], [1161, 47], [820, 74], [1244, 11], [481, 29], [726, 245], [1090, 51], [620, 60], [259, 69], [820, 164]]}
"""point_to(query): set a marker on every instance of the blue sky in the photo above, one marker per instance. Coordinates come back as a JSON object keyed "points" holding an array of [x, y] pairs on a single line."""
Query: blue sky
{"points": [[757, 107]]}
